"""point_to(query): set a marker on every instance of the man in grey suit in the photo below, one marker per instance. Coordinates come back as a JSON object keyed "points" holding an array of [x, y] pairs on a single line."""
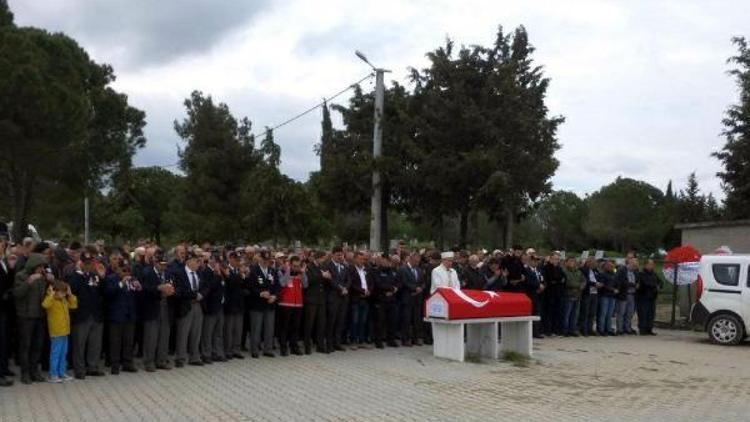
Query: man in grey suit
{"points": [[189, 292], [412, 280]]}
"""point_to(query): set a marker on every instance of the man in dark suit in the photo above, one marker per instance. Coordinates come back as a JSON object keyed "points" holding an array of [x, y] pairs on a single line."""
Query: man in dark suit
{"points": [[386, 289], [156, 312], [236, 289], [318, 280], [412, 282], [87, 284], [212, 337], [361, 285], [189, 292], [120, 292], [337, 300], [6, 299], [264, 293]]}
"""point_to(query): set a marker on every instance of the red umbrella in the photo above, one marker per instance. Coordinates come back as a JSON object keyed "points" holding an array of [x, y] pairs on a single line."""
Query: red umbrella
{"points": [[681, 254]]}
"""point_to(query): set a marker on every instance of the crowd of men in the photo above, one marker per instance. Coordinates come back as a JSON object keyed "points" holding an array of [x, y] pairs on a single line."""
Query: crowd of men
{"points": [[200, 305]]}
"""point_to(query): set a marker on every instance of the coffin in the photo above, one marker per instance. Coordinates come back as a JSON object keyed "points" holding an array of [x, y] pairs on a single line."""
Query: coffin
{"points": [[448, 303]]}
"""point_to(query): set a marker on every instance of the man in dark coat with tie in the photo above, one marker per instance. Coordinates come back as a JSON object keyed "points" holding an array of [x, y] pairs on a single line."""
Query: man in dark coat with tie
{"points": [[337, 300], [318, 280], [236, 289], [87, 320], [412, 282], [156, 312], [189, 292], [264, 293], [212, 335]]}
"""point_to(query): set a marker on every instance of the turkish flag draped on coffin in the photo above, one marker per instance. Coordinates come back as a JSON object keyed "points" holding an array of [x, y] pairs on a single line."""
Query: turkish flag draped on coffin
{"points": [[448, 303]]}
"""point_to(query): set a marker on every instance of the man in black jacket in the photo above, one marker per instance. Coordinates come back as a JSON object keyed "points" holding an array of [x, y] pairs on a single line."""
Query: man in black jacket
{"points": [[6, 299], [87, 284], [590, 296], [212, 336], [337, 300], [235, 291], [360, 292], [386, 288], [189, 292], [156, 312], [318, 280], [553, 296], [647, 290], [264, 293], [412, 282]]}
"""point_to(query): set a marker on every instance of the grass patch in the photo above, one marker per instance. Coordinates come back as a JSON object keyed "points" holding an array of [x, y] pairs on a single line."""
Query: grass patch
{"points": [[517, 359]]}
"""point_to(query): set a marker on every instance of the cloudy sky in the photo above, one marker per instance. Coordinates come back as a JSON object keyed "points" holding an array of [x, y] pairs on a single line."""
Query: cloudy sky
{"points": [[642, 84]]}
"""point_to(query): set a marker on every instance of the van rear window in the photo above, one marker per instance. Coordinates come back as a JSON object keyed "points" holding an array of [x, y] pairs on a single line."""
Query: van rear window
{"points": [[727, 274]]}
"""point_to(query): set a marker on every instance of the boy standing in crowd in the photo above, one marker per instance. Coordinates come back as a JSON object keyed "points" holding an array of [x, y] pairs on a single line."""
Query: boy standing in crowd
{"points": [[57, 304]]}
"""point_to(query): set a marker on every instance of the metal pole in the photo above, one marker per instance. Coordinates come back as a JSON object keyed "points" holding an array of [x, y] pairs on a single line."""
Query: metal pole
{"points": [[674, 293], [377, 150], [86, 220]]}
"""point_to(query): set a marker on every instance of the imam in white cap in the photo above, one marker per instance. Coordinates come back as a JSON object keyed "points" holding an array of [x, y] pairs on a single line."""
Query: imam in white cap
{"points": [[447, 255]]}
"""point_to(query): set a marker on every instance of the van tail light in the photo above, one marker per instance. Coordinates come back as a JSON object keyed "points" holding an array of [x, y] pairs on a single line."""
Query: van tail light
{"points": [[699, 287]]}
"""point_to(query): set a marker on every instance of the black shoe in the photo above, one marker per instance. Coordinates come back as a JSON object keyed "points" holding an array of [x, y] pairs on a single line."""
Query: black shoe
{"points": [[297, 352], [5, 382], [379, 345], [269, 354], [392, 343], [164, 366], [25, 378], [130, 368], [37, 377], [179, 364], [308, 350], [219, 359], [322, 350], [150, 369], [196, 363], [96, 373], [284, 352], [115, 370], [339, 348], [80, 376], [406, 343], [238, 356], [255, 355], [207, 361]]}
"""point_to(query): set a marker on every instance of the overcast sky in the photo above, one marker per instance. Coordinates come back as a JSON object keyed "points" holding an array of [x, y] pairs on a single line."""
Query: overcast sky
{"points": [[642, 84]]}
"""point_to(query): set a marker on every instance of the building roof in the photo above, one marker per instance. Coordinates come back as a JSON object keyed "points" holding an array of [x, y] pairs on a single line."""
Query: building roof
{"points": [[711, 224]]}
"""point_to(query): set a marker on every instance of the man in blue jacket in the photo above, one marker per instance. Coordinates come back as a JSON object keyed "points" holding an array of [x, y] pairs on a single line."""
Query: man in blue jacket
{"points": [[156, 312]]}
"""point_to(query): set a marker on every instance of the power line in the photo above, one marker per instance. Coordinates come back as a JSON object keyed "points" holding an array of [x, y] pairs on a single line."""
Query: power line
{"points": [[298, 116]]}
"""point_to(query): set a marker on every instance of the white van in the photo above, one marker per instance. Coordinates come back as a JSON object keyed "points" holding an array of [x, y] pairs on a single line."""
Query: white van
{"points": [[723, 306]]}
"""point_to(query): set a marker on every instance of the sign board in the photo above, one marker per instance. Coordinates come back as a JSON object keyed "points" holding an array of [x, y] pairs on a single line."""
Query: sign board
{"points": [[585, 255], [599, 255]]}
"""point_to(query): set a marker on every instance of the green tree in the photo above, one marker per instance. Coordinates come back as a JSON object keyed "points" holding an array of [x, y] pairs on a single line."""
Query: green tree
{"points": [[6, 16], [735, 155], [692, 204], [484, 128], [626, 214], [219, 153], [561, 216], [60, 121]]}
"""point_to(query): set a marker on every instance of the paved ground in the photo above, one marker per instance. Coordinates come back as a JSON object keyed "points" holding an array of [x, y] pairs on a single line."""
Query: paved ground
{"points": [[676, 376]]}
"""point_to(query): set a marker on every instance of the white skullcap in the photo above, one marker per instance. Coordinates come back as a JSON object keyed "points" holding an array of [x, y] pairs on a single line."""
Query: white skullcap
{"points": [[447, 255]]}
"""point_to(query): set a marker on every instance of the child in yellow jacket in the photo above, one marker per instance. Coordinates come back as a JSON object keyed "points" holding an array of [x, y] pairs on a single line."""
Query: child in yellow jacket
{"points": [[58, 303]]}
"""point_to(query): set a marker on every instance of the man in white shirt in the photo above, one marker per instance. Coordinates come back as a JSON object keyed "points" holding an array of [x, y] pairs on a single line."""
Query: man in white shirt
{"points": [[444, 275]]}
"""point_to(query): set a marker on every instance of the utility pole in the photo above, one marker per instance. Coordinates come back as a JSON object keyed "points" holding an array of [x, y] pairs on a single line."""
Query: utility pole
{"points": [[86, 220], [376, 203]]}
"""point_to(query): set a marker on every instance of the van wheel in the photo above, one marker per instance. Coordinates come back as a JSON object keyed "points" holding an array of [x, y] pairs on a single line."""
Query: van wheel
{"points": [[725, 329]]}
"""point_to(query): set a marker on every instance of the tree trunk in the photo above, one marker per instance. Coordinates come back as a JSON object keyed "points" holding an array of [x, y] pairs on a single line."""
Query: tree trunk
{"points": [[509, 221]]}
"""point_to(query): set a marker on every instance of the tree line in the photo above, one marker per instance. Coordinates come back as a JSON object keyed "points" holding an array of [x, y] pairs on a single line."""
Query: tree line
{"points": [[469, 153]]}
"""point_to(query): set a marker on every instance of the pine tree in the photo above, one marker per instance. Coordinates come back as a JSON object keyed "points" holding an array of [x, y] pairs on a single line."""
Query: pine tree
{"points": [[735, 155]]}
